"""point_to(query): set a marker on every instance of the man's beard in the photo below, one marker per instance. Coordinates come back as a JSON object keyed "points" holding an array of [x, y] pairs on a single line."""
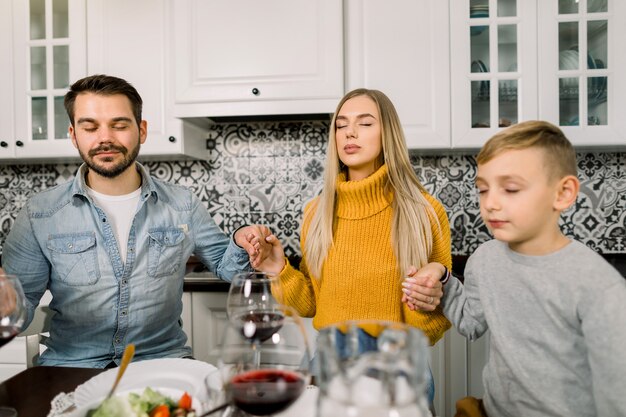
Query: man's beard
{"points": [[114, 171]]}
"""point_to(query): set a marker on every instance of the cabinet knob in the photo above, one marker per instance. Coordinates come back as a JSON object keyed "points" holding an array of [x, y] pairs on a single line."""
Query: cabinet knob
{"points": [[256, 91], [172, 139], [19, 143], [4, 144]]}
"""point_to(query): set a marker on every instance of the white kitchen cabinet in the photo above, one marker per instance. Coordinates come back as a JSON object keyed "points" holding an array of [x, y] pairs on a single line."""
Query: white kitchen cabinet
{"points": [[517, 60], [582, 65], [48, 53], [494, 67], [244, 57], [402, 49], [208, 310], [7, 126], [457, 366], [128, 40]]}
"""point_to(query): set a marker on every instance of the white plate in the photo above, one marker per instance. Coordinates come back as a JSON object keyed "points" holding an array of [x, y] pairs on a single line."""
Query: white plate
{"points": [[159, 374]]}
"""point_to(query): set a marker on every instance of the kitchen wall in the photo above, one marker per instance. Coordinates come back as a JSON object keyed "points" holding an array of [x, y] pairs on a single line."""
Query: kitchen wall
{"points": [[265, 172]]}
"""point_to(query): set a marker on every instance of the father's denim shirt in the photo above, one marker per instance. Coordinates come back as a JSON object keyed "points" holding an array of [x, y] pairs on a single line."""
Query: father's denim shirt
{"points": [[62, 241]]}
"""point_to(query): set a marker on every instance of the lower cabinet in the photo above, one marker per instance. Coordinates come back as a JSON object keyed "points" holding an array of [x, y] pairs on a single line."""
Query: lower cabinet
{"points": [[457, 365]]}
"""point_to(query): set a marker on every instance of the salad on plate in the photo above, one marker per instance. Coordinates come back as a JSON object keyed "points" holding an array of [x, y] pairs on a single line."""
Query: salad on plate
{"points": [[149, 403]]}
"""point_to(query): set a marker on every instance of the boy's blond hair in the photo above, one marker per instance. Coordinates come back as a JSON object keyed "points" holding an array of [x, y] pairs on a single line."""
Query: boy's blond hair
{"points": [[560, 156]]}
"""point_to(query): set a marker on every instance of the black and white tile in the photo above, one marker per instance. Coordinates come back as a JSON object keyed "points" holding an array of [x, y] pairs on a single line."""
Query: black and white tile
{"points": [[266, 172]]}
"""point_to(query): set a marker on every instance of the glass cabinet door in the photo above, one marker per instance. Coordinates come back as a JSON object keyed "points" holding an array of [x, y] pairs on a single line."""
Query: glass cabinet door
{"points": [[493, 69], [581, 58], [49, 54]]}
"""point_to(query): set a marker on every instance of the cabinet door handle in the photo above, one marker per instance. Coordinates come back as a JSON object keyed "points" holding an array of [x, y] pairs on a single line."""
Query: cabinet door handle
{"points": [[256, 91], [4, 144], [172, 139], [19, 143]]}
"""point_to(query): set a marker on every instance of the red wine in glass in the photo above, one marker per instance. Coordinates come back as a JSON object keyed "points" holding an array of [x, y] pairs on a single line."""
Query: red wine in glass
{"points": [[258, 326], [7, 333], [264, 392]]}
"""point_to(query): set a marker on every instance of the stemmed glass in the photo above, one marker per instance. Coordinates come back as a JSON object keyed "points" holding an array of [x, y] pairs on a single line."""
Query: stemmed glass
{"points": [[12, 308], [12, 317], [266, 374], [253, 305], [253, 291]]}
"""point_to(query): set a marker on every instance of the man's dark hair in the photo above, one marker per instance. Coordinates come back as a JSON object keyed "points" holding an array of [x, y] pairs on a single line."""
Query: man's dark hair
{"points": [[104, 85]]}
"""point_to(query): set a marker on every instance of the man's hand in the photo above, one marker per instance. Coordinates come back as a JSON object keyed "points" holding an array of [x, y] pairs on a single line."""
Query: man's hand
{"points": [[422, 289], [252, 239]]}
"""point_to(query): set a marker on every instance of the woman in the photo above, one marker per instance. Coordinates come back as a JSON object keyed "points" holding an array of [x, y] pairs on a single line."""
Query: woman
{"points": [[372, 225]]}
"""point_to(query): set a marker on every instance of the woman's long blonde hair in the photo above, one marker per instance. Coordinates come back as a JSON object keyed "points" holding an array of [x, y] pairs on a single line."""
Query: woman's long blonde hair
{"points": [[411, 231]]}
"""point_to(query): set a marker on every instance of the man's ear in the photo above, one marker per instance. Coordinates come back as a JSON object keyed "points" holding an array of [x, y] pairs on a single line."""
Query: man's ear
{"points": [[72, 133], [567, 192], [143, 131]]}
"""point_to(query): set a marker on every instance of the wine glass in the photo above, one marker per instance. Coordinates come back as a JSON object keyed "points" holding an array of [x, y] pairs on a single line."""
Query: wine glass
{"points": [[252, 291], [12, 308], [267, 375], [253, 305], [12, 317]]}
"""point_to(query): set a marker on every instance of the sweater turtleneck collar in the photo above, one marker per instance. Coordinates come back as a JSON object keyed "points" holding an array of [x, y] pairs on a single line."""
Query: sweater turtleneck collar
{"points": [[363, 198]]}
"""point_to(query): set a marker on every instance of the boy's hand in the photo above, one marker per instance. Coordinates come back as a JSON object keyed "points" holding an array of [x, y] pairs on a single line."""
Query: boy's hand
{"points": [[422, 289]]}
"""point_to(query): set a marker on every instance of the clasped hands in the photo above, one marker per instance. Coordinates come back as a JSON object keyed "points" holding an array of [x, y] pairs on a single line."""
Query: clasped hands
{"points": [[422, 289]]}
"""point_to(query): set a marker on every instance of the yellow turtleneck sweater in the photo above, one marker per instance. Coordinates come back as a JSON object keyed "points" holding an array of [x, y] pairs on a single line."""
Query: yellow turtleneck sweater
{"points": [[360, 276]]}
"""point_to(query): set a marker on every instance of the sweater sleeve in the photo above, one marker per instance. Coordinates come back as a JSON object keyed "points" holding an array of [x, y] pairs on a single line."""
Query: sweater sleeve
{"points": [[442, 245], [298, 287], [434, 324]]}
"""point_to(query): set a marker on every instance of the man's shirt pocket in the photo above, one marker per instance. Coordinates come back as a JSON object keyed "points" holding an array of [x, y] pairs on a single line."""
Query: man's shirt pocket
{"points": [[165, 251], [74, 257]]}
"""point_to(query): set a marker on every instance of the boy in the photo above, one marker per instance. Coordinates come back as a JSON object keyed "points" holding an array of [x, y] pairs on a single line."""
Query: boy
{"points": [[555, 308]]}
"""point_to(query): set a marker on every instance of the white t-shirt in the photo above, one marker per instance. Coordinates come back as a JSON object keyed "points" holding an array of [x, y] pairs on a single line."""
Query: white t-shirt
{"points": [[120, 211]]}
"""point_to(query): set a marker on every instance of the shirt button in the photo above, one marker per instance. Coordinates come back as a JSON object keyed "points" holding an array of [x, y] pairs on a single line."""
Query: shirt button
{"points": [[104, 220], [117, 341], [131, 249], [123, 312], [70, 246], [124, 282]]}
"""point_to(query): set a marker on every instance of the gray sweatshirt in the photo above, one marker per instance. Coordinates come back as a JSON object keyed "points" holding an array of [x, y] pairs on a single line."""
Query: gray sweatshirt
{"points": [[558, 330]]}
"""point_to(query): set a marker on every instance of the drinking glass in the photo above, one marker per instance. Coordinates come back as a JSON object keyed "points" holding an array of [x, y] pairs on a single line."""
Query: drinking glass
{"points": [[12, 308], [268, 375], [252, 291], [372, 368], [12, 317]]}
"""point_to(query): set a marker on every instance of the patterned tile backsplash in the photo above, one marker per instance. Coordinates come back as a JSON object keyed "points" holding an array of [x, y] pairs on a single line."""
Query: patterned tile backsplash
{"points": [[265, 172]]}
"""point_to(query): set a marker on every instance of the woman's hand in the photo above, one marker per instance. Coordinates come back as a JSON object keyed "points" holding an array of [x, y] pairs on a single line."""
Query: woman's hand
{"points": [[275, 261], [422, 289]]}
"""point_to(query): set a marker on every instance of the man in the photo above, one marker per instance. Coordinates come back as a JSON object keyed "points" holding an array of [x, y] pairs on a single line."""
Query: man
{"points": [[112, 244]]}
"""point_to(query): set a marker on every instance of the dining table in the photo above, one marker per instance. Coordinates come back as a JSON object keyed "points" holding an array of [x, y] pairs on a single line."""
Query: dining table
{"points": [[31, 391]]}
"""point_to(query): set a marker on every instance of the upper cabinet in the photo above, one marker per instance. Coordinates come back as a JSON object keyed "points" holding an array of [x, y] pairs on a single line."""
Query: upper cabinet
{"points": [[7, 124], [581, 83], [245, 57], [517, 60], [127, 39], [402, 49], [48, 51]]}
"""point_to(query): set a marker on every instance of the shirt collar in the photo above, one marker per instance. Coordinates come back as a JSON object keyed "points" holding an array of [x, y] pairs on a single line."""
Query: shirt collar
{"points": [[148, 187]]}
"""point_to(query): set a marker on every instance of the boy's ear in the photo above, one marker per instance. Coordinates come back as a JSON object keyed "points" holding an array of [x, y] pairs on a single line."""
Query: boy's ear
{"points": [[567, 192]]}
